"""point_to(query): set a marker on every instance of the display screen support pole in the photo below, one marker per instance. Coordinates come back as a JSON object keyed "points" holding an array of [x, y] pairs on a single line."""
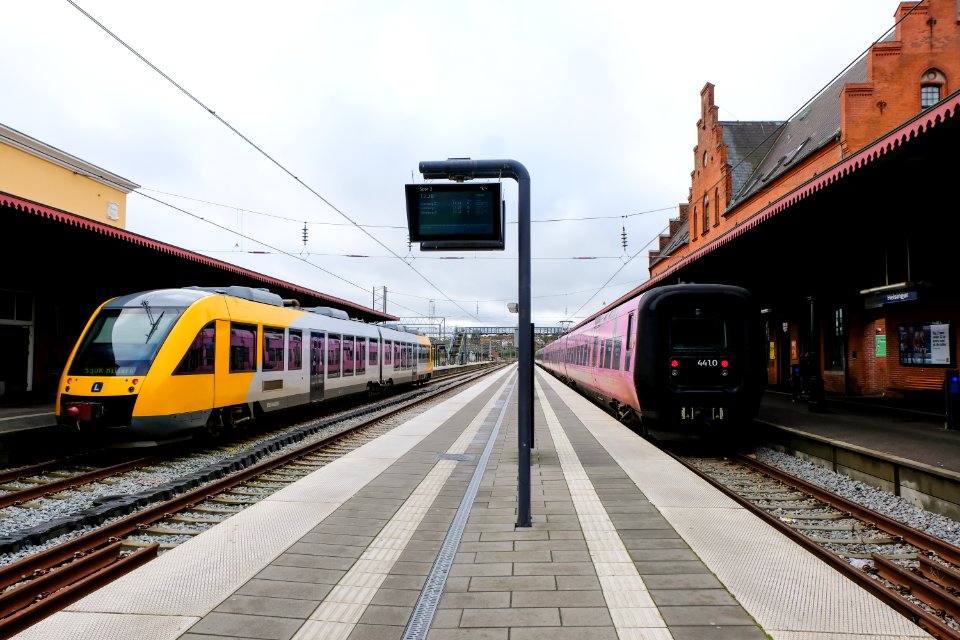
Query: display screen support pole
{"points": [[459, 169]]}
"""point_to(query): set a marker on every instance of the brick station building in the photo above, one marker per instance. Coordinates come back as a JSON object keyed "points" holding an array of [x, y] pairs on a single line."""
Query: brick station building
{"points": [[840, 219]]}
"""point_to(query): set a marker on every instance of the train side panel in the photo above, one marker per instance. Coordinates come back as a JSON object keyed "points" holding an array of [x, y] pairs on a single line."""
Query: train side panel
{"points": [[162, 364]]}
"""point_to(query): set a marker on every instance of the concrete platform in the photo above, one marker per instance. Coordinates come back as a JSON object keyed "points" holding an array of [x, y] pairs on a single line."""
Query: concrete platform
{"points": [[414, 536]]}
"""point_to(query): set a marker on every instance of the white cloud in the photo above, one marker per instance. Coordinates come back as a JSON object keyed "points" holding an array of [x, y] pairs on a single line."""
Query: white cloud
{"points": [[599, 101]]}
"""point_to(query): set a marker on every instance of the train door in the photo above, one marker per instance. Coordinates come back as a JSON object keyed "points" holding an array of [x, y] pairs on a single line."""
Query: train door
{"points": [[629, 337], [386, 370], [373, 371], [412, 361], [334, 360], [316, 365]]}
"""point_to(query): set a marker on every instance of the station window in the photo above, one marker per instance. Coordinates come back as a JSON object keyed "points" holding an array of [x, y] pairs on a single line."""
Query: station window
{"points": [[834, 343], [243, 348], [16, 305], [295, 349], [716, 207], [706, 214], [931, 87], [199, 356]]}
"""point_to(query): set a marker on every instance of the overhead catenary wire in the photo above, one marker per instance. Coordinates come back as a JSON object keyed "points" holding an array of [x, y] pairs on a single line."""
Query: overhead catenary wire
{"points": [[392, 226], [274, 249], [266, 155], [776, 131]]}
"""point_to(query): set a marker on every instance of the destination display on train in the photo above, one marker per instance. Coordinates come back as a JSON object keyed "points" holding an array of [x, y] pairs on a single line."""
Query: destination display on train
{"points": [[454, 212]]}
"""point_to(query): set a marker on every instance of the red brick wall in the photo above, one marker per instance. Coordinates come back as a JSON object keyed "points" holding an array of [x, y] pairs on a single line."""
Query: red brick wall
{"points": [[929, 37]]}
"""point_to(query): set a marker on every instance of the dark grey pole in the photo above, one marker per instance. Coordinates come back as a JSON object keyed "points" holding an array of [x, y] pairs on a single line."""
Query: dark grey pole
{"points": [[465, 169]]}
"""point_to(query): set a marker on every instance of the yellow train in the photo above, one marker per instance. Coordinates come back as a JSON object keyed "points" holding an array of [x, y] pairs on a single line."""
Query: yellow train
{"points": [[167, 364]]}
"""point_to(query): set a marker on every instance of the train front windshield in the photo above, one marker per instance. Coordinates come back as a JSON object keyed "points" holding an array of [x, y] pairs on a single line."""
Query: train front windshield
{"points": [[698, 333], [123, 342]]}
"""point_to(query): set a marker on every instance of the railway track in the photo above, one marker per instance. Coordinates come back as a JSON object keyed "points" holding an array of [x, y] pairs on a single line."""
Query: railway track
{"points": [[915, 573], [41, 583]]}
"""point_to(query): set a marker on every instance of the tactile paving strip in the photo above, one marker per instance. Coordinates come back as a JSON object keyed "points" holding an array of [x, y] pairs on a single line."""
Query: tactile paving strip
{"points": [[341, 610], [786, 589], [633, 611]]}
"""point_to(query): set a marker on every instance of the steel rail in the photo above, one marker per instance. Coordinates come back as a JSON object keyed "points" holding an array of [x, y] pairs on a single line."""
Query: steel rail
{"points": [[16, 498], [916, 614], [919, 539], [71, 584], [933, 596], [36, 565]]}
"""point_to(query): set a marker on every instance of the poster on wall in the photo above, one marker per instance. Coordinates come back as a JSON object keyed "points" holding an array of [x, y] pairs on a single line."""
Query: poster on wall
{"points": [[925, 344]]}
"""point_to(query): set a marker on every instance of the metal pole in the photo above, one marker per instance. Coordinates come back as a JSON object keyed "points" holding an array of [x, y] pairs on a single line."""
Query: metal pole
{"points": [[466, 169]]}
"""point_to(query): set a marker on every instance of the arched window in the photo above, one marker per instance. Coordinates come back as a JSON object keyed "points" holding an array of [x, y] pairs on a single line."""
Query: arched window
{"points": [[706, 213], [931, 87], [716, 206]]}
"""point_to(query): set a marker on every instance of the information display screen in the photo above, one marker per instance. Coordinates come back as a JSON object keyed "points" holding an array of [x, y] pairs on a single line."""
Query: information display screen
{"points": [[446, 212]]}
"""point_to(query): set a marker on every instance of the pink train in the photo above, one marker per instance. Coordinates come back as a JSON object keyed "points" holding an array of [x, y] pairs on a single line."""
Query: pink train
{"points": [[677, 358]]}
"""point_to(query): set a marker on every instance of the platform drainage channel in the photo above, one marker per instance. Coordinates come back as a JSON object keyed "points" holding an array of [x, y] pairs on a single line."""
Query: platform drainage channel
{"points": [[422, 616]]}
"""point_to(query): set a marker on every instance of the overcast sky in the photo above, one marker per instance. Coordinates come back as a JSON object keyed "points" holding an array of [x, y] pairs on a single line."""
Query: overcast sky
{"points": [[331, 106]]}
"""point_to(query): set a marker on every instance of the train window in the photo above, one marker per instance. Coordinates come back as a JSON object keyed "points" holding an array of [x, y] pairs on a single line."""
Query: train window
{"points": [[596, 349], [700, 332], [630, 338], [295, 349], [349, 355], [333, 356], [387, 352], [374, 351], [243, 348], [396, 355], [607, 352], [272, 349], [316, 354], [361, 355], [616, 353], [199, 356]]}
